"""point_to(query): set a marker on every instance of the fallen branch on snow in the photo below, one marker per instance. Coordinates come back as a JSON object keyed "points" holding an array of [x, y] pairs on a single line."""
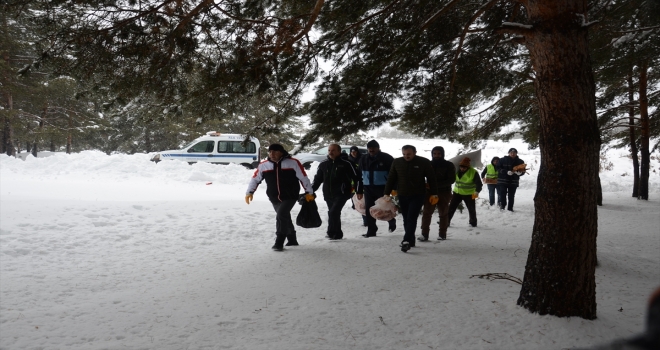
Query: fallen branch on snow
{"points": [[499, 276]]}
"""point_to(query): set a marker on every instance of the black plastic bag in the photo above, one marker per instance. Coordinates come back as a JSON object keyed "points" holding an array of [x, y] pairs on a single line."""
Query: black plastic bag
{"points": [[308, 217]]}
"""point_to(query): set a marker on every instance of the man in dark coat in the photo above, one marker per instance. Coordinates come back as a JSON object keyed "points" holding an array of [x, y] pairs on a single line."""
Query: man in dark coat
{"points": [[375, 167], [410, 174], [283, 176], [507, 179], [338, 176], [445, 175], [354, 156]]}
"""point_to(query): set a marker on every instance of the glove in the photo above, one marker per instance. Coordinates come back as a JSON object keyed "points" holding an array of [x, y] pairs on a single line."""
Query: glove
{"points": [[475, 195], [518, 173], [433, 200], [248, 198], [509, 172], [309, 197], [393, 193]]}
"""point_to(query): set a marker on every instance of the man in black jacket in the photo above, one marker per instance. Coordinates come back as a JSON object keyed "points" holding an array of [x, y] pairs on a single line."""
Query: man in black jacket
{"points": [[410, 174], [354, 156], [445, 175], [338, 176], [283, 176], [507, 179]]}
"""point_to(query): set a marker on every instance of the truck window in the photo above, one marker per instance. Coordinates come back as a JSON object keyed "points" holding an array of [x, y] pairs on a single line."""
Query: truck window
{"points": [[202, 147], [236, 147]]}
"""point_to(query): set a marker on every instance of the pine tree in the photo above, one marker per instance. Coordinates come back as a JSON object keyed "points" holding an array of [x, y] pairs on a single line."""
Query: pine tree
{"points": [[626, 45], [443, 59]]}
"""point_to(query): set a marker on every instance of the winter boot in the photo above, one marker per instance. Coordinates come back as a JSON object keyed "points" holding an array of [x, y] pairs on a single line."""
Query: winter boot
{"points": [[278, 248], [392, 226], [405, 246]]}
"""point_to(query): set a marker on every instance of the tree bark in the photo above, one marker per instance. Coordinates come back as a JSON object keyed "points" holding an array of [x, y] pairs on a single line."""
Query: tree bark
{"points": [[69, 136], [633, 136], [599, 193], [147, 139], [560, 272], [645, 132], [35, 147], [7, 130]]}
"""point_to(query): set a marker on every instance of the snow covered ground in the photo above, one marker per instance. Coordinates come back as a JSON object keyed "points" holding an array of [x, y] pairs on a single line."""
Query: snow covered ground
{"points": [[115, 252]]}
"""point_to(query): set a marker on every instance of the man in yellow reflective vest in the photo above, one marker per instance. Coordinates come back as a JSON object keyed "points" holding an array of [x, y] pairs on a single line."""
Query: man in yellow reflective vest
{"points": [[489, 177], [466, 189]]}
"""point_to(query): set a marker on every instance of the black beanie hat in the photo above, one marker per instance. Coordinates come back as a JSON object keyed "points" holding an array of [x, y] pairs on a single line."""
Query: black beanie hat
{"points": [[276, 147], [438, 148], [512, 150], [373, 144], [355, 148]]}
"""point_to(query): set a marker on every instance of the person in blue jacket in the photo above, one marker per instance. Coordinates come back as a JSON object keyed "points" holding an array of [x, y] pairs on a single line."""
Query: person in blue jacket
{"points": [[375, 167]]}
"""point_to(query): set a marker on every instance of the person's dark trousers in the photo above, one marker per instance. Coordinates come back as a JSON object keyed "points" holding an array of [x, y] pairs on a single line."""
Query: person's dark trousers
{"points": [[469, 204], [492, 189], [443, 209], [410, 208], [507, 192], [335, 205], [371, 193], [284, 228]]}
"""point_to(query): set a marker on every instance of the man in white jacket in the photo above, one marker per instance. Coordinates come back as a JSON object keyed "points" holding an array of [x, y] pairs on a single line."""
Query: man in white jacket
{"points": [[283, 176]]}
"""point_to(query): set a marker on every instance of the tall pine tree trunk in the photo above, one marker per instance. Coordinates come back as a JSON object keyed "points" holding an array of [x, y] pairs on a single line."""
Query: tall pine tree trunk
{"points": [[645, 131], [633, 136], [37, 137], [7, 130], [147, 139], [69, 136], [560, 272]]}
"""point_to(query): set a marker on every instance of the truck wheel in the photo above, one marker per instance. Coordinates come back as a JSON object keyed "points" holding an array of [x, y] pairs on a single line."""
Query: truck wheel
{"points": [[247, 165], [307, 165]]}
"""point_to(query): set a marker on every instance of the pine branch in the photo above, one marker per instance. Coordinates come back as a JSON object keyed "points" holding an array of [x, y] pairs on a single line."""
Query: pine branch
{"points": [[478, 14], [620, 126], [360, 22], [638, 30]]}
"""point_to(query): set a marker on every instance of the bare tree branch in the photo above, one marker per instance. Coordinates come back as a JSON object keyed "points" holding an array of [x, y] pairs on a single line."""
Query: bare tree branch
{"points": [[499, 276]]}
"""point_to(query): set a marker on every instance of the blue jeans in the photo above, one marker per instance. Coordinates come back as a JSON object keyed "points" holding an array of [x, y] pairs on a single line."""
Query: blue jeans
{"points": [[410, 209], [507, 191], [492, 188]]}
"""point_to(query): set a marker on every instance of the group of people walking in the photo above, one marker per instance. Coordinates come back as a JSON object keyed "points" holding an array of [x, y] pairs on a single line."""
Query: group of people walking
{"points": [[421, 185]]}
